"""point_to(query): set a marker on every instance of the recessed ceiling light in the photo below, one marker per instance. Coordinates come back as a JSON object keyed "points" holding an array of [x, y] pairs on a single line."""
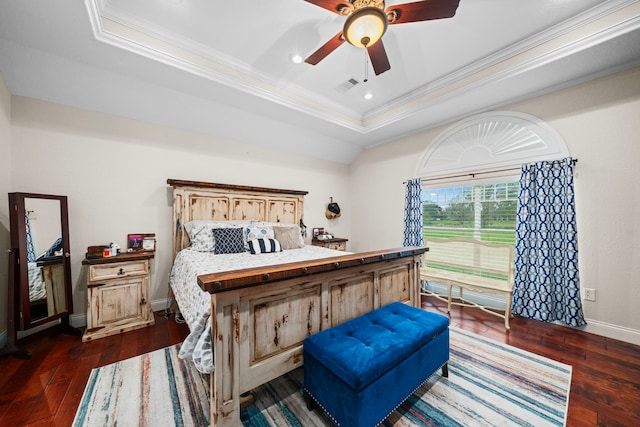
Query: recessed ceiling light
{"points": [[296, 59], [367, 96]]}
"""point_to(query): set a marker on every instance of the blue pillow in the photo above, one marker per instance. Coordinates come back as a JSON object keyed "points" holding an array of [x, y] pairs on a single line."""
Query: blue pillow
{"points": [[228, 240], [263, 246]]}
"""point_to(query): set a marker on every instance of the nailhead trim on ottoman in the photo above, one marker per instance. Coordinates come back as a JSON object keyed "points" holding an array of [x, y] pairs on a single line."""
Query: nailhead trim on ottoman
{"points": [[361, 370]]}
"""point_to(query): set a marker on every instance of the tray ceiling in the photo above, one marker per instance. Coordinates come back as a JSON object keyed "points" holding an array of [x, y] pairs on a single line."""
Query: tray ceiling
{"points": [[225, 68]]}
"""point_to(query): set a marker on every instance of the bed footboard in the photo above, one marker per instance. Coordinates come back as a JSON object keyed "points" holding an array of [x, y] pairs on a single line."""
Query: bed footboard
{"points": [[260, 316]]}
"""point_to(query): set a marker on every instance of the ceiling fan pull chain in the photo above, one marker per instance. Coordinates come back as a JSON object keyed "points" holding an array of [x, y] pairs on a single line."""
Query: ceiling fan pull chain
{"points": [[366, 66]]}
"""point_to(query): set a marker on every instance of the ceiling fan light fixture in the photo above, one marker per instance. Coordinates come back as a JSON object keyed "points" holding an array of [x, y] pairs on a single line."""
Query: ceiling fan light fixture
{"points": [[364, 27]]}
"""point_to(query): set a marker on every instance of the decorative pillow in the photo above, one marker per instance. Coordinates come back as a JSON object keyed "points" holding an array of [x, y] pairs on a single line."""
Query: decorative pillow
{"points": [[259, 231], [289, 236], [201, 239], [263, 246], [200, 233], [228, 240]]}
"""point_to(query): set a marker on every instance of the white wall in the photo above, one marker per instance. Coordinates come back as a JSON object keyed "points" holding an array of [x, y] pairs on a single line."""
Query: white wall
{"points": [[114, 172], [600, 123], [5, 180]]}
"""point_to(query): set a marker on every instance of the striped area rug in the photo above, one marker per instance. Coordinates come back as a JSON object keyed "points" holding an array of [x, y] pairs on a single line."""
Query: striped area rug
{"points": [[489, 384]]}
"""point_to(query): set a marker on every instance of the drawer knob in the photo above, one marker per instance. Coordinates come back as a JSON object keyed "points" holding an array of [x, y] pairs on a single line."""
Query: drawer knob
{"points": [[143, 302], [121, 272]]}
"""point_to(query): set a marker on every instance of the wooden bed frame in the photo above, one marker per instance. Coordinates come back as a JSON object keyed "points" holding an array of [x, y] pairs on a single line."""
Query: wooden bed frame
{"points": [[260, 316]]}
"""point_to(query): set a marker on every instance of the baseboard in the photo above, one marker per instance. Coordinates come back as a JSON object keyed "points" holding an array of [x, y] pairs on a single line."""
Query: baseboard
{"points": [[78, 320], [159, 305], [612, 331], [593, 326]]}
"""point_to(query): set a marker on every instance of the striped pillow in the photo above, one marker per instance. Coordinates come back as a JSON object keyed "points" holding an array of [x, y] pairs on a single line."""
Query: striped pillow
{"points": [[263, 246]]}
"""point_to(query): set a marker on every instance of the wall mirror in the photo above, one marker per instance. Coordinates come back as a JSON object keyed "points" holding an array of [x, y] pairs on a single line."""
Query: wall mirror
{"points": [[40, 264]]}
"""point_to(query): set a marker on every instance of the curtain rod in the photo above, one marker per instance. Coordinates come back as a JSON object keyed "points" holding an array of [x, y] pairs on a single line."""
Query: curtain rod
{"points": [[473, 175]]}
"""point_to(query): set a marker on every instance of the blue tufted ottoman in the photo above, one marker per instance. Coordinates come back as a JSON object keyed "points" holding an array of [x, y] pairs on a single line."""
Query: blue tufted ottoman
{"points": [[362, 370]]}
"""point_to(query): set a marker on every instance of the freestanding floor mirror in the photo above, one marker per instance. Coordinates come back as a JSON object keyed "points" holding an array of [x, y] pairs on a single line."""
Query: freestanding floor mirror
{"points": [[39, 287]]}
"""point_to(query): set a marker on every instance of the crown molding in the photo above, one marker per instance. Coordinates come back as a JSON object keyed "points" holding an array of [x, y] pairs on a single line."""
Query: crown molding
{"points": [[147, 40], [405, 106], [141, 37]]}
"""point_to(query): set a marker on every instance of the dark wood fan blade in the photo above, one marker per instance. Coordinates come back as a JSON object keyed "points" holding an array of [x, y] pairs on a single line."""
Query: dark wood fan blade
{"points": [[422, 11], [325, 49], [379, 58], [334, 6]]}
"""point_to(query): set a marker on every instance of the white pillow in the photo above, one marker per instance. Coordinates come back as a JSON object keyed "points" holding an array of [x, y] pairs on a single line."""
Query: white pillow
{"points": [[258, 231], [201, 233]]}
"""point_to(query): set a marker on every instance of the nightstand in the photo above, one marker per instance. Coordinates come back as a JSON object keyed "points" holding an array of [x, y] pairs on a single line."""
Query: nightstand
{"points": [[117, 294], [334, 243]]}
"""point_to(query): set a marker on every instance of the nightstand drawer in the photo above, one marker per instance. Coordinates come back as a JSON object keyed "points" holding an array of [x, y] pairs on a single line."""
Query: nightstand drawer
{"points": [[338, 246], [118, 270]]}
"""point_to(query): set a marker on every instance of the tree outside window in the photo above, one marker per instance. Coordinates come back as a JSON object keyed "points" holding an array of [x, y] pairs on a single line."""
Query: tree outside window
{"points": [[485, 212]]}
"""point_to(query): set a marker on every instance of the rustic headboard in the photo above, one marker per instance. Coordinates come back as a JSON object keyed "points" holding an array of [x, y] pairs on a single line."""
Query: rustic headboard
{"points": [[194, 200]]}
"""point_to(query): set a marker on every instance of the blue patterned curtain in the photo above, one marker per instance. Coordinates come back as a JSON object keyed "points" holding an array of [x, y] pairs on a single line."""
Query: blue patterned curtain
{"points": [[413, 234], [31, 253], [547, 285]]}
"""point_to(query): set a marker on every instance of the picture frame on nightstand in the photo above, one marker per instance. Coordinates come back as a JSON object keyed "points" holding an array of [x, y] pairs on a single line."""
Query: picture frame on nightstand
{"points": [[141, 242]]}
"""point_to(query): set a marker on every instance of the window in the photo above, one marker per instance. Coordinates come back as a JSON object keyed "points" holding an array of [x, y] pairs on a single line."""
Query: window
{"points": [[485, 212], [470, 176]]}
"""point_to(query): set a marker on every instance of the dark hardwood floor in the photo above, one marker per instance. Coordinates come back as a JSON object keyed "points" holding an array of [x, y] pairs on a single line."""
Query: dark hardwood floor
{"points": [[46, 390]]}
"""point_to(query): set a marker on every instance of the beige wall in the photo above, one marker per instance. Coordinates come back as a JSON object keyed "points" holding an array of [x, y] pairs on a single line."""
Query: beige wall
{"points": [[5, 187], [114, 172], [600, 123]]}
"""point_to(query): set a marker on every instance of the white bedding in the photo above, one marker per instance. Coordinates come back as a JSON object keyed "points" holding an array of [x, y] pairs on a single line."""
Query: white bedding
{"points": [[195, 304], [37, 289]]}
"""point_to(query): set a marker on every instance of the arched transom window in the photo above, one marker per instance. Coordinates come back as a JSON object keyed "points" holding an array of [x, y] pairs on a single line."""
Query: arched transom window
{"points": [[470, 174]]}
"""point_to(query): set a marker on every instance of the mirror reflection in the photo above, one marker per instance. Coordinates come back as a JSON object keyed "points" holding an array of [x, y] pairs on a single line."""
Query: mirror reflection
{"points": [[40, 268], [39, 291], [43, 236]]}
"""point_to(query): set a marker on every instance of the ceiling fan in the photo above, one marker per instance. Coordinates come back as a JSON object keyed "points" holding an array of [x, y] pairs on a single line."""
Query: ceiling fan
{"points": [[367, 21]]}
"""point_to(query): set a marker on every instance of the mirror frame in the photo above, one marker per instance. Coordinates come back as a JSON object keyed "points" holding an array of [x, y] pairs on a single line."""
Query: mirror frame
{"points": [[20, 281]]}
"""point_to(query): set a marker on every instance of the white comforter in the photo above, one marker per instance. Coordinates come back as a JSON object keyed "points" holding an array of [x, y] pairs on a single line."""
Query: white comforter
{"points": [[37, 288], [195, 304]]}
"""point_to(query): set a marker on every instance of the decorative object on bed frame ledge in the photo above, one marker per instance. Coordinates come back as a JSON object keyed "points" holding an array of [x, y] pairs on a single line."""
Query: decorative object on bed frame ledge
{"points": [[333, 210]]}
